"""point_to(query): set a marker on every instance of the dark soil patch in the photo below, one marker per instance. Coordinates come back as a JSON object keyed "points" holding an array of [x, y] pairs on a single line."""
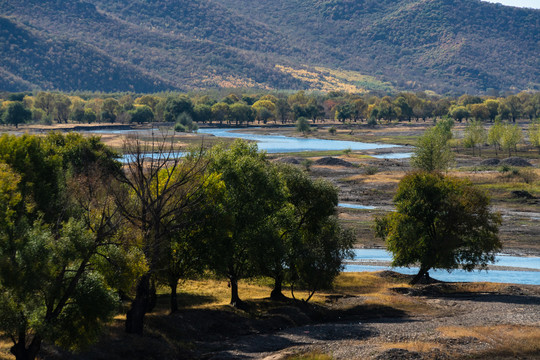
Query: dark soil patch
{"points": [[522, 194], [332, 161], [516, 161], [290, 160], [490, 162]]}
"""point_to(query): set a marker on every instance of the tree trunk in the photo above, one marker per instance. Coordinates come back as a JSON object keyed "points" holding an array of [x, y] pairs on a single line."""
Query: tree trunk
{"points": [[277, 293], [174, 299], [139, 307], [152, 297], [422, 274], [21, 352], [235, 299]]}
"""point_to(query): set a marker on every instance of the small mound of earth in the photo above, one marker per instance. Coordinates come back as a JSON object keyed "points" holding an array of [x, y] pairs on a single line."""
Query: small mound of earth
{"points": [[522, 194], [398, 354], [332, 161], [290, 160], [490, 162], [515, 161], [402, 354]]}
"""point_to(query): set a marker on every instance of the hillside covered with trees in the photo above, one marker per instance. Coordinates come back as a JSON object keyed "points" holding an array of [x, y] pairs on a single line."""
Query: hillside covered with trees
{"points": [[148, 46]]}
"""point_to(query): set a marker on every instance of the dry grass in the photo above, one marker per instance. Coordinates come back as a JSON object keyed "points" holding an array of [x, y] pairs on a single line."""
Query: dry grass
{"points": [[378, 293], [480, 287], [5, 345], [314, 355], [207, 293], [508, 340], [417, 346], [384, 177]]}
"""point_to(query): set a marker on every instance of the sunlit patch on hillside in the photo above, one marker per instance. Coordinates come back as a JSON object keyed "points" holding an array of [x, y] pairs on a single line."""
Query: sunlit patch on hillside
{"points": [[325, 79], [230, 82]]}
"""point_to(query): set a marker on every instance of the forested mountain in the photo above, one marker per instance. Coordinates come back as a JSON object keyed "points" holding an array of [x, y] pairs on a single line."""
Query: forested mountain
{"points": [[155, 45]]}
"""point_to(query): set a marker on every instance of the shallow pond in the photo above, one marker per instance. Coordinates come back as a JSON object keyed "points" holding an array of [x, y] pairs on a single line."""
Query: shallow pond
{"points": [[531, 277]]}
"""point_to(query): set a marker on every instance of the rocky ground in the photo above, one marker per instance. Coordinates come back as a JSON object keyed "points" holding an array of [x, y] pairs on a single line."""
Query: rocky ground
{"points": [[440, 331]]}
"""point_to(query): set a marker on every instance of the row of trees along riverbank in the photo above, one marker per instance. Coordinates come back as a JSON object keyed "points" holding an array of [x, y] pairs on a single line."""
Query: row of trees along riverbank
{"points": [[265, 107], [79, 231]]}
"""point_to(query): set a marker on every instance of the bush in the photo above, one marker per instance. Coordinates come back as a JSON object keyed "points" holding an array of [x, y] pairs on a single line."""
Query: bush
{"points": [[332, 130], [372, 122], [179, 128], [302, 125], [371, 170]]}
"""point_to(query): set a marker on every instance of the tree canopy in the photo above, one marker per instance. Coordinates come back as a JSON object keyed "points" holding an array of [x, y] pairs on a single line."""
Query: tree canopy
{"points": [[441, 223]]}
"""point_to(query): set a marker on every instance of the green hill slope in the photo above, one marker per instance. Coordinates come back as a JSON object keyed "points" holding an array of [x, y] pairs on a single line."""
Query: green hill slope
{"points": [[153, 45]]}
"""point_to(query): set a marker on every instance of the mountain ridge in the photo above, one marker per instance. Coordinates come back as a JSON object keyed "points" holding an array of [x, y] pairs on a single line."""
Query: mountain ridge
{"points": [[440, 45]]}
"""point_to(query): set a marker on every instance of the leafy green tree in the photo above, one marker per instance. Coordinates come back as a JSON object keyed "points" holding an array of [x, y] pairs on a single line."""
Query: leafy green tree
{"points": [[202, 113], [534, 134], [432, 152], [110, 109], [514, 106], [126, 102], [39, 172], [302, 125], [176, 106], [441, 223], [264, 110], [62, 108], [307, 246], [141, 114], [16, 114], [253, 193], [49, 293], [283, 110], [314, 110], [241, 114], [360, 109], [188, 251], [45, 102], [493, 108], [317, 259], [148, 100], [52, 282], [459, 113], [387, 110], [511, 136], [405, 109], [220, 112], [495, 135], [475, 135], [344, 111], [480, 112], [90, 116]]}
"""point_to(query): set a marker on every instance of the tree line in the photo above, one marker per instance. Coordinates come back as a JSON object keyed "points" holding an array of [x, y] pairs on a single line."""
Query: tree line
{"points": [[243, 109], [80, 233]]}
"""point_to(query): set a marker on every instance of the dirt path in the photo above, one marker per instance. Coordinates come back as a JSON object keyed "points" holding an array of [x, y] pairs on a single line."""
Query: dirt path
{"points": [[427, 336]]}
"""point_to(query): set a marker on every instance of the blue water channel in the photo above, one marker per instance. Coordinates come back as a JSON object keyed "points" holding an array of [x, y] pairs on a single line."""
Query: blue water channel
{"points": [[285, 144], [527, 275], [277, 143]]}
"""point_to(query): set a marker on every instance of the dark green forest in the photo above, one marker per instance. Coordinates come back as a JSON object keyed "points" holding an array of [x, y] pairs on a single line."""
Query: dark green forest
{"points": [[147, 46]]}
